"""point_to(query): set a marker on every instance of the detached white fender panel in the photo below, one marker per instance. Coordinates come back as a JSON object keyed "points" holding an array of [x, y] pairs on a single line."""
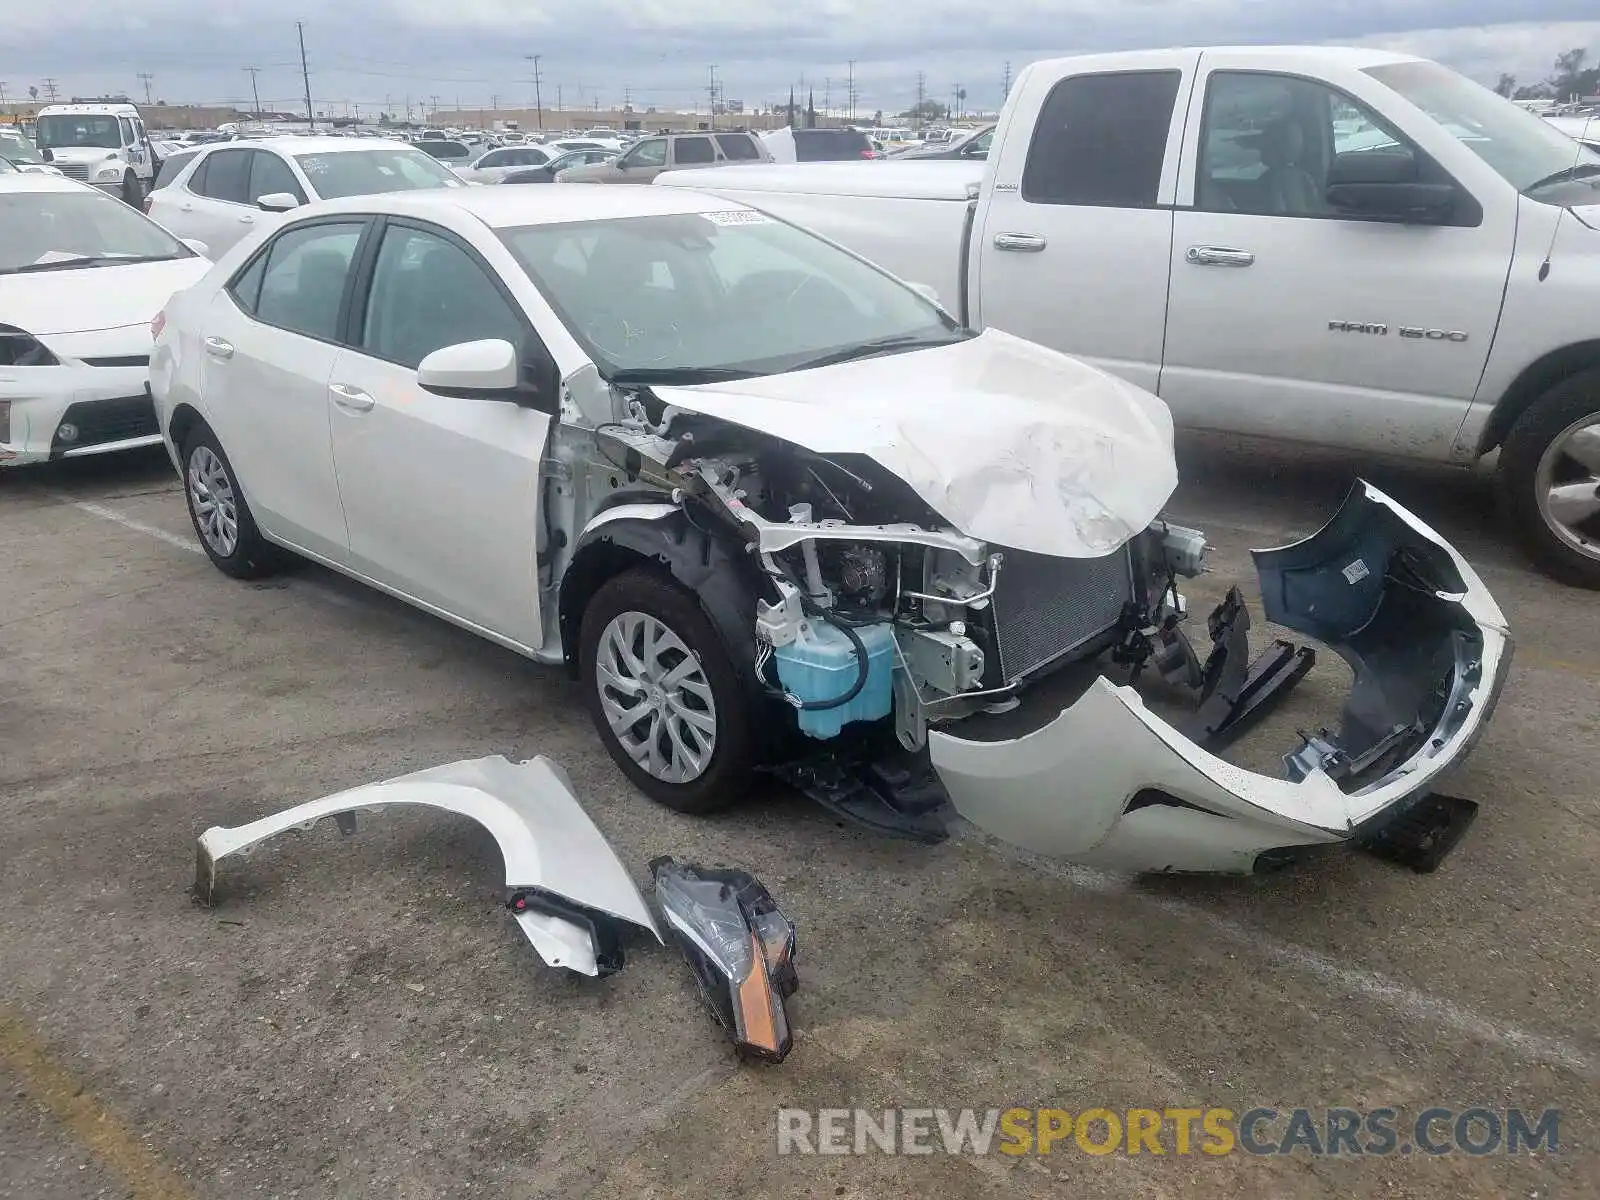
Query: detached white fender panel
{"points": [[549, 844]]}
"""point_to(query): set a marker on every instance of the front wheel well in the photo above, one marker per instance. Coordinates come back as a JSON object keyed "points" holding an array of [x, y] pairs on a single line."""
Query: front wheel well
{"points": [[591, 567], [1535, 380]]}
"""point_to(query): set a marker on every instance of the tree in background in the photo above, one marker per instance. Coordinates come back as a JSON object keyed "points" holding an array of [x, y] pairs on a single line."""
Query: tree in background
{"points": [[928, 110], [1571, 78], [1507, 86]]}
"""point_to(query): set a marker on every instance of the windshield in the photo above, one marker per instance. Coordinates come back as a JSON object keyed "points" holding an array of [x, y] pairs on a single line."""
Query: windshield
{"points": [[368, 172], [58, 130], [735, 292], [15, 145], [1522, 148], [59, 230]]}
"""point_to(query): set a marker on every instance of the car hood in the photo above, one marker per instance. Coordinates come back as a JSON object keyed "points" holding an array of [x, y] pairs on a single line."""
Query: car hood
{"points": [[89, 298], [1010, 442]]}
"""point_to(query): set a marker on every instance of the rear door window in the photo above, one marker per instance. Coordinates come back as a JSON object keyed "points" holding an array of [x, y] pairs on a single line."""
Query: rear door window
{"points": [[302, 289], [227, 176], [691, 150], [1101, 140]]}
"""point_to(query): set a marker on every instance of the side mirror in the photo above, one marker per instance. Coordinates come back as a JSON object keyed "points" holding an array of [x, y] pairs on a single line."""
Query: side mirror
{"points": [[277, 202], [1383, 185], [489, 370], [47, 154]]}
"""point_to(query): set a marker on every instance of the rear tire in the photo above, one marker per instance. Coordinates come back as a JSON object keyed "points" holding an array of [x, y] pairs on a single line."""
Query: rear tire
{"points": [[1548, 487], [217, 507], [693, 718]]}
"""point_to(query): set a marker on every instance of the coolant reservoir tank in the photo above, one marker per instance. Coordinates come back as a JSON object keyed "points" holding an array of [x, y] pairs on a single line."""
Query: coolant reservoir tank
{"points": [[821, 665]]}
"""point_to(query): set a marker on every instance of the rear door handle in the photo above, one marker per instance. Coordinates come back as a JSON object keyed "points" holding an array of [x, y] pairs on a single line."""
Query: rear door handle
{"points": [[1219, 256], [219, 347], [247, 219], [185, 208], [1027, 243], [351, 398]]}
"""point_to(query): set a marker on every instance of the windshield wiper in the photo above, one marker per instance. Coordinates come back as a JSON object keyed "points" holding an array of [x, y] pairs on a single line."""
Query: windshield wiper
{"points": [[88, 260], [1576, 171], [885, 345], [633, 376]]}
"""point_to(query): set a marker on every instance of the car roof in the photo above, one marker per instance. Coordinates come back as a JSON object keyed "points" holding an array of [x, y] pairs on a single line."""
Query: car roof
{"points": [[504, 208], [295, 143], [28, 181], [1283, 57]]}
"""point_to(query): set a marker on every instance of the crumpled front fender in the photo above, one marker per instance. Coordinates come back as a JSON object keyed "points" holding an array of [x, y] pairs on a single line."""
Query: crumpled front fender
{"points": [[1110, 782], [556, 861]]}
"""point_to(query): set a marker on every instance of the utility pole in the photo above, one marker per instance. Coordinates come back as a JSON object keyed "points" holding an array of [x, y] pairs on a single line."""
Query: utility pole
{"points": [[852, 91], [51, 90], [1005, 87], [922, 96], [254, 92], [433, 114], [2, 93], [147, 79], [711, 92], [627, 98], [955, 107], [538, 100], [558, 97], [305, 77]]}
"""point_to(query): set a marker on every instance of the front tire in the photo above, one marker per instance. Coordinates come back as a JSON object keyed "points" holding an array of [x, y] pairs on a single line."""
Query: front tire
{"points": [[1550, 478], [664, 695], [217, 507], [132, 190]]}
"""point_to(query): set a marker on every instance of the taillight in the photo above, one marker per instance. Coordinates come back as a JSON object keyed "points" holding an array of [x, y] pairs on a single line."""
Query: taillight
{"points": [[149, 196], [869, 153], [157, 324]]}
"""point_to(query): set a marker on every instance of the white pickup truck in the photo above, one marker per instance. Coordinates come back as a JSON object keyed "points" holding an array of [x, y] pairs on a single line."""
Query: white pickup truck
{"points": [[1334, 246]]}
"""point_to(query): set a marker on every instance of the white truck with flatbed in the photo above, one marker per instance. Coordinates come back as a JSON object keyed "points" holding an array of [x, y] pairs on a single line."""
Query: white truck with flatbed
{"points": [[102, 144], [1336, 246]]}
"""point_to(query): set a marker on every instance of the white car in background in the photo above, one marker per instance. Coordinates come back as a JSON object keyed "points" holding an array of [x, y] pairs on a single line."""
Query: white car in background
{"points": [[772, 507], [1585, 129], [81, 276], [497, 164], [17, 149], [230, 189]]}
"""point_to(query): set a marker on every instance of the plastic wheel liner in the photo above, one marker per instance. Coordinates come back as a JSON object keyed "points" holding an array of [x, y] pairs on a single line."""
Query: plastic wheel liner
{"points": [[566, 887], [1108, 782]]}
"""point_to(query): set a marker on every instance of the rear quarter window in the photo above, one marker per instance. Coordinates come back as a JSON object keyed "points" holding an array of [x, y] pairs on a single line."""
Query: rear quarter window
{"points": [[740, 147], [172, 166], [829, 145], [693, 150]]}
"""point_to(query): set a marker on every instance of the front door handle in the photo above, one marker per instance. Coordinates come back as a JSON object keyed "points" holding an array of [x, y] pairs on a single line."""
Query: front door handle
{"points": [[1027, 243], [352, 398], [185, 208], [1219, 256], [219, 347]]}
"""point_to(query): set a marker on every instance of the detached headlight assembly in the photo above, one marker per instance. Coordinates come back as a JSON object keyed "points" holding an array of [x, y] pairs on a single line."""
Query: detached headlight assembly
{"points": [[21, 349], [740, 946]]}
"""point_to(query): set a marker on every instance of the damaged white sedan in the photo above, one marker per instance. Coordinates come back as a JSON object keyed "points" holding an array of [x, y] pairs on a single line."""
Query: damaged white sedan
{"points": [[778, 512]]}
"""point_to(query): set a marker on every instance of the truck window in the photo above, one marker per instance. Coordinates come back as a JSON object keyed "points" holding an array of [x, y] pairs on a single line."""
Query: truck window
{"points": [[1267, 141], [693, 150], [1101, 140], [127, 130]]}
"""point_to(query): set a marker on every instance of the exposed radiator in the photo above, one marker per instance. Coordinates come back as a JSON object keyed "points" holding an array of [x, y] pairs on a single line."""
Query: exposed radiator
{"points": [[1045, 607]]}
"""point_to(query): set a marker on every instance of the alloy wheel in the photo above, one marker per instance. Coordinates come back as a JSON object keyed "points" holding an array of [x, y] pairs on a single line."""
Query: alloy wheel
{"points": [[211, 496], [1567, 485], [656, 698]]}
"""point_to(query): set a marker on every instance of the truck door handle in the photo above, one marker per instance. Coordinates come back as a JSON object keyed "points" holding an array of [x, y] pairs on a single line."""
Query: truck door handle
{"points": [[219, 347], [1219, 256], [351, 398], [1027, 243]]}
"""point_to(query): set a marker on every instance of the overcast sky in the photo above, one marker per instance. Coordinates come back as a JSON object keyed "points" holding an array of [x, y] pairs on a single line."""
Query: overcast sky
{"points": [[661, 50]]}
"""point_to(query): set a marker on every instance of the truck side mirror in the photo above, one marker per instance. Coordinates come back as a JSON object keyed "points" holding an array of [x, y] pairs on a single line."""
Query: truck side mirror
{"points": [[1383, 185], [47, 154]]}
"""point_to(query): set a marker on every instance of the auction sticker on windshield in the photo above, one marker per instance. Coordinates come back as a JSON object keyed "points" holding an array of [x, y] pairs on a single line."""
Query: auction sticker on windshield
{"points": [[738, 216]]}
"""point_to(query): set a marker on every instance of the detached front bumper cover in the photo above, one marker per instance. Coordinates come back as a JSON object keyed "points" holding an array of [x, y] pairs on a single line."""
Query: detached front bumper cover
{"points": [[571, 896], [1108, 782]]}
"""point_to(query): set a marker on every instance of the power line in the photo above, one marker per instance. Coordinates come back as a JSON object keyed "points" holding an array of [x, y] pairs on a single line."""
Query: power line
{"points": [[305, 77]]}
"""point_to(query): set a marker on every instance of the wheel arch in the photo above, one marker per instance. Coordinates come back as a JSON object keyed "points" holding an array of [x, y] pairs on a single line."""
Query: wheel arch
{"points": [[710, 564], [1537, 378], [185, 420]]}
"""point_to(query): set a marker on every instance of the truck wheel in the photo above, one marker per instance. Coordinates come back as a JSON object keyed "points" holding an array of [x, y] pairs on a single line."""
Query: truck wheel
{"points": [[228, 532], [664, 695], [1550, 473], [132, 190]]}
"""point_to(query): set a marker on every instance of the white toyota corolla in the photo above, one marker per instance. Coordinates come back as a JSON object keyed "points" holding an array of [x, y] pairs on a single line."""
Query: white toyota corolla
{"points": [[81, 276], [777, 511]]}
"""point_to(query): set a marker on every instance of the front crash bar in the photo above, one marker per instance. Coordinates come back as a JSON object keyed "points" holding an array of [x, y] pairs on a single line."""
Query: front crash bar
{"points": [[1430, 652]]}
